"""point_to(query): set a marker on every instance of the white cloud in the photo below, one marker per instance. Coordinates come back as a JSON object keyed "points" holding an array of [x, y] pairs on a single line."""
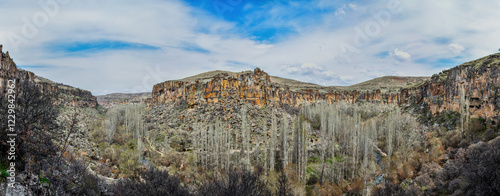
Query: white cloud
{"points": [[456, 48], [353, 6], [340, 11], [312, 73], [400, 55], [305, 68], [311, 66]]}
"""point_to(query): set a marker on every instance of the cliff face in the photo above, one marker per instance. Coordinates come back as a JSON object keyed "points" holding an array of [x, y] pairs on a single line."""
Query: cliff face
{"points": [[480, 80], [61, 94], [256, 88]]}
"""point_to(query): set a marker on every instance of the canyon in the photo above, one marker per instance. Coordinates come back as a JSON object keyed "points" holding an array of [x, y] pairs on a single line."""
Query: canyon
{"points": [[179, 125], [478, 79]]}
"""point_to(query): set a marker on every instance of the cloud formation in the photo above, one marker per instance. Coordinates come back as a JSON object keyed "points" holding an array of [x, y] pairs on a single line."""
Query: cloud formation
{"points": [[456, 48], [400, 55], [105, 46]]}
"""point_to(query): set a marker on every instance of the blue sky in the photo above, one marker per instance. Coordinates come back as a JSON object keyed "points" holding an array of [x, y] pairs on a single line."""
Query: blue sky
{"points": [[107, 47]]}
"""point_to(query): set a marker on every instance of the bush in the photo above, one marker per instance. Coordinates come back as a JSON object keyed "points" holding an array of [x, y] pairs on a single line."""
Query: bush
{"points": [[240, 183], [155, 182], [477, 124], [327, 189], [488, 135], [104, 170], [476, 174], [283, 186], [74, 179], [396, 190], [481, 169]]}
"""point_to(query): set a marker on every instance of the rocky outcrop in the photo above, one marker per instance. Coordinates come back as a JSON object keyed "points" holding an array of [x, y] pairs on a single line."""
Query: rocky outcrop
{"points": [[256, 88], [9, 71], [61, 94]]}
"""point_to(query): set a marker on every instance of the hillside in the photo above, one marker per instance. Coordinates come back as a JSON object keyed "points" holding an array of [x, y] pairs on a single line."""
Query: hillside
{"points": [[386, 83]]}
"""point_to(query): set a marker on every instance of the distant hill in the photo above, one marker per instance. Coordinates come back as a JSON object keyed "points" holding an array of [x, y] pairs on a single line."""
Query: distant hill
{"points": [[122, 97], [209, 75], [386, 83]]}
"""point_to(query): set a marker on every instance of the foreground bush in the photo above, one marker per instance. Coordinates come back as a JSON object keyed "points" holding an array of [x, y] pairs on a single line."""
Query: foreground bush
{"points": [[477, 173], [396, 190], [239, 183], [155, 182]]}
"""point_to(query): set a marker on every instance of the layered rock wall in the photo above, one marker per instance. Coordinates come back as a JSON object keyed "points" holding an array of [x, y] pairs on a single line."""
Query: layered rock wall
{"points": [[256, 88]]}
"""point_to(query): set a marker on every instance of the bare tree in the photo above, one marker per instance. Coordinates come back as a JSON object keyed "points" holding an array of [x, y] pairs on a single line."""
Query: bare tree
{"points": [[273, 143], [284, 142], [246, 135]]}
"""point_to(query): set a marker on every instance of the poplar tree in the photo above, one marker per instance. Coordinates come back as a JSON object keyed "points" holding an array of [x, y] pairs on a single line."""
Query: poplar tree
{"points": [[217, 144], [273, 143], [246, 135], [324, 140], [390, 133], [284, 143], [228, 151]]}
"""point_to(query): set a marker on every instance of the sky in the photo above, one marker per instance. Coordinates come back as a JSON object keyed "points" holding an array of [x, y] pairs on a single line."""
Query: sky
{"points": [[128, 46]]}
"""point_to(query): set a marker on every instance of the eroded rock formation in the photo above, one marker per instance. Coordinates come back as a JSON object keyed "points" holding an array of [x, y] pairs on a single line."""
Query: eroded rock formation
{"points": [[256, 88]]}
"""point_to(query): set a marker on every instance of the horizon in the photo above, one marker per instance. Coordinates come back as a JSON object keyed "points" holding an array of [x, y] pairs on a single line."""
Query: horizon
{"points": [[128, 47]]}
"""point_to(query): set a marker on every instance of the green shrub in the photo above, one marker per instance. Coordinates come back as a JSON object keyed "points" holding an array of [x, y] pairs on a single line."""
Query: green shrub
{"points": [[3, 168], [477, 124], [43, 180]]}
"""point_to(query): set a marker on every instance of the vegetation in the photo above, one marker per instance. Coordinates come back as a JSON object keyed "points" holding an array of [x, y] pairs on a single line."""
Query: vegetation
{"points": [[42, 147], [322, 149], [154, 182], [121, 137], [244, 183], [474, 174]]}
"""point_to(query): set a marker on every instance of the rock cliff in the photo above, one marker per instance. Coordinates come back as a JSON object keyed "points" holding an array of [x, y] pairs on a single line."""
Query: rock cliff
{"points": [[478, 80], [62, 94], [257, 88]]}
